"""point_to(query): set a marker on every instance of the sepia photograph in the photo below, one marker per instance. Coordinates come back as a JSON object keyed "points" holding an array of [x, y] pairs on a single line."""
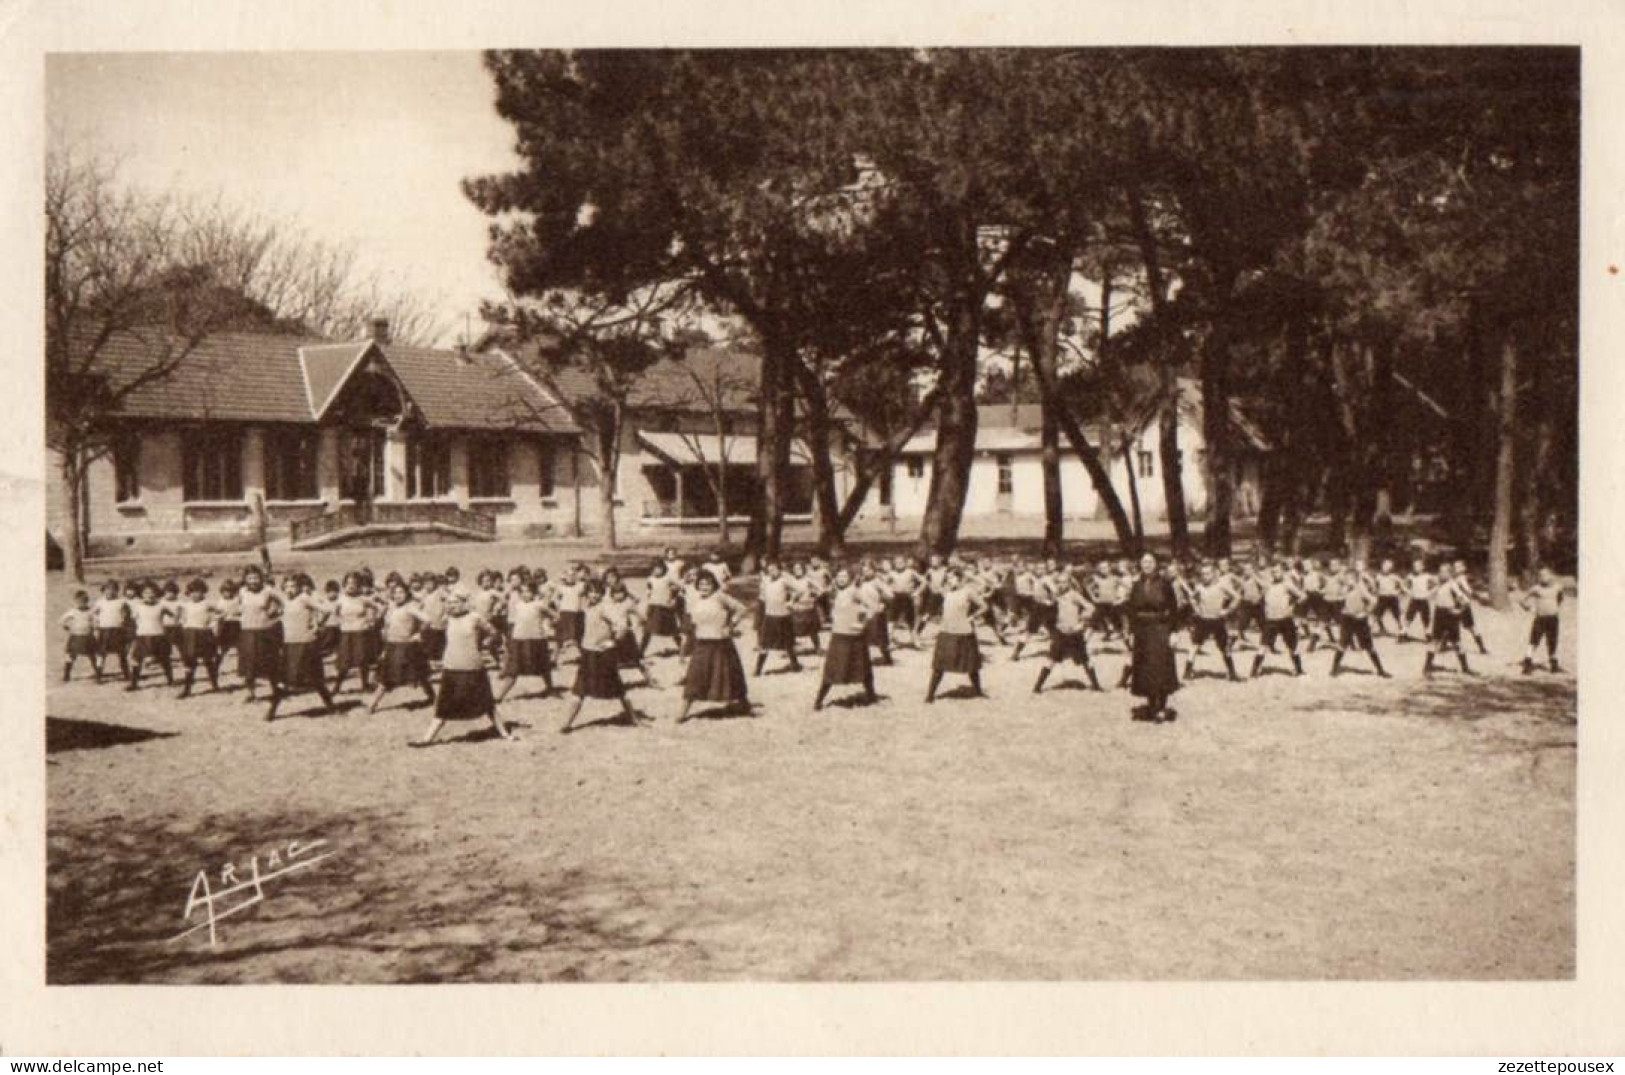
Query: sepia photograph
{"points": [[1060, 511]]}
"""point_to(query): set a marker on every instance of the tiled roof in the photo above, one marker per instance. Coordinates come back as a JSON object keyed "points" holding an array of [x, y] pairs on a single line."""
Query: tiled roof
{"points": [[228, 377], [476, 390], [667, 385], [250, 377]]}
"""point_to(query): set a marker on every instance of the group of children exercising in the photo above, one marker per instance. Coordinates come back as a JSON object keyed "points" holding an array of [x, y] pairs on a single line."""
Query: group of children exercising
{"points": [[398, 632]]}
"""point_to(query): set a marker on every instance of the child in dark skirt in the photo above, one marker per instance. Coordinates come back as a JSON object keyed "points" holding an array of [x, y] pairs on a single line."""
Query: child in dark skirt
{"points": [[228, 627], [598, 673], [80, 623], [777, 631], [622, 607], [172, 603], [569, 597], [403, 661], [1446, 629], [259, 637], [660, 602], [806, 617], [112, 617], [1545, 600], [715, 673], [1068, 640], [152, 618], [876, 627], [465, 687], [198, 617], [530, 617], [302, 616], [957, 651], [847, 660], [353, 629]]}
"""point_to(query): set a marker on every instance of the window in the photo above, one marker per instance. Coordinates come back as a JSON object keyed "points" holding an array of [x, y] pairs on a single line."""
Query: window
{"points": [[1147, 465], [290, 464], [916, 466], [428, 467], [211, 464], [544, 463], [1006, 479], [885, 488], [127, 467], [488, 468]]}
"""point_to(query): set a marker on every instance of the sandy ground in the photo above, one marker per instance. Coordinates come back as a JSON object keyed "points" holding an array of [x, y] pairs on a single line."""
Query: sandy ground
{"points": [[1352, 828]]}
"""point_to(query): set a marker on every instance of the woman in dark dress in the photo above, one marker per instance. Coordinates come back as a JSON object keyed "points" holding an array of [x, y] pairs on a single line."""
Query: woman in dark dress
{"points": [[1152, 606]]}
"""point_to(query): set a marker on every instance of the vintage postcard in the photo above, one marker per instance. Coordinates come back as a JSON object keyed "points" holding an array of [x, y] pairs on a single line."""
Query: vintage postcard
{"points": [[916, 529]]}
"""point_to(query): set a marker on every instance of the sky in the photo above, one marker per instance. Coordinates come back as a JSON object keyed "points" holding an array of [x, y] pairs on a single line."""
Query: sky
{"points": [[365, 148]]}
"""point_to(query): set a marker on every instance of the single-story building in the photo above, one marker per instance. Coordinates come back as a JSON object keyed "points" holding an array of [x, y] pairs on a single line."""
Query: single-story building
{"points": [[252, 429], [1007, 476]]}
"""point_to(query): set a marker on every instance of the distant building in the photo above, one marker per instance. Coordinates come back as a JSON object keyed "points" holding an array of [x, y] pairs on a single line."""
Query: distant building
{"points": [[1007, 477]]}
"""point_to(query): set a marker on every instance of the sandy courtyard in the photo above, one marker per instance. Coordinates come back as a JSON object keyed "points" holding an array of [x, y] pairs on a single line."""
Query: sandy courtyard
{"points": [[1315, 828]]}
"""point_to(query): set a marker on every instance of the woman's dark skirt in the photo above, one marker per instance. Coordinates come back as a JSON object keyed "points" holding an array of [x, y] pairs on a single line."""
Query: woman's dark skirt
{"points": [[1068, 647], [353, 650], [569, 627], [198, 646], [227, 632], [900, 607], [434, 643], [715, 673], [877, 632], [1154, 673], [1446, 626], [465, 694], [806, 623], [375, 643], [403, 664], [301, 667], [958, 654], [931, 604], [257, 656], [598, 675], [627, 652], [82, 646], [151, 648], [777, 633], [662, 622], [527, 657], [847, 660], [327, 640]]}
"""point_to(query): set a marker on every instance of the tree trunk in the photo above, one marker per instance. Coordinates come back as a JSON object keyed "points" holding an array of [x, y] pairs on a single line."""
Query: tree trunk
{"points": [[1173, 485], [774, 414], [1506, 437], [955, 450], [818, 436], [73, 479], [1054, 509], [1216, 433], [721, 425], [1533, 502], [1133, 490], [607, 458]]}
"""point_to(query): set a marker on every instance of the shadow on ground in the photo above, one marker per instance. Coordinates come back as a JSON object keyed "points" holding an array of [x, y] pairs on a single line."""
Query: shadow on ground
{"points": [[386, 907], [1457, 697], [63, 733]]}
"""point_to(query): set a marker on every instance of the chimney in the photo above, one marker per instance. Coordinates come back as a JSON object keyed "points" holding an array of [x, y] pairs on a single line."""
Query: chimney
{"points": [[380, 329]]}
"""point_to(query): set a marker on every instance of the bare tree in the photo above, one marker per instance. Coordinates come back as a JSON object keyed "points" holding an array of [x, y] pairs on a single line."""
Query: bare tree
{"points": [[167, 272], [613, 341], [713, 384]]}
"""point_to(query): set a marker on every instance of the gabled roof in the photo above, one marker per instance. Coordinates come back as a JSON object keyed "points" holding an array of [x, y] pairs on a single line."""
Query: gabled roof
{"points": [[260, 377], [326, 367]]}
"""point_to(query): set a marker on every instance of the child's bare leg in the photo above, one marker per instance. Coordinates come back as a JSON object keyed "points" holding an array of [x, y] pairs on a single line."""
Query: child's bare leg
{"points": [[429, 736], [378, 696], [575, 710]]}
